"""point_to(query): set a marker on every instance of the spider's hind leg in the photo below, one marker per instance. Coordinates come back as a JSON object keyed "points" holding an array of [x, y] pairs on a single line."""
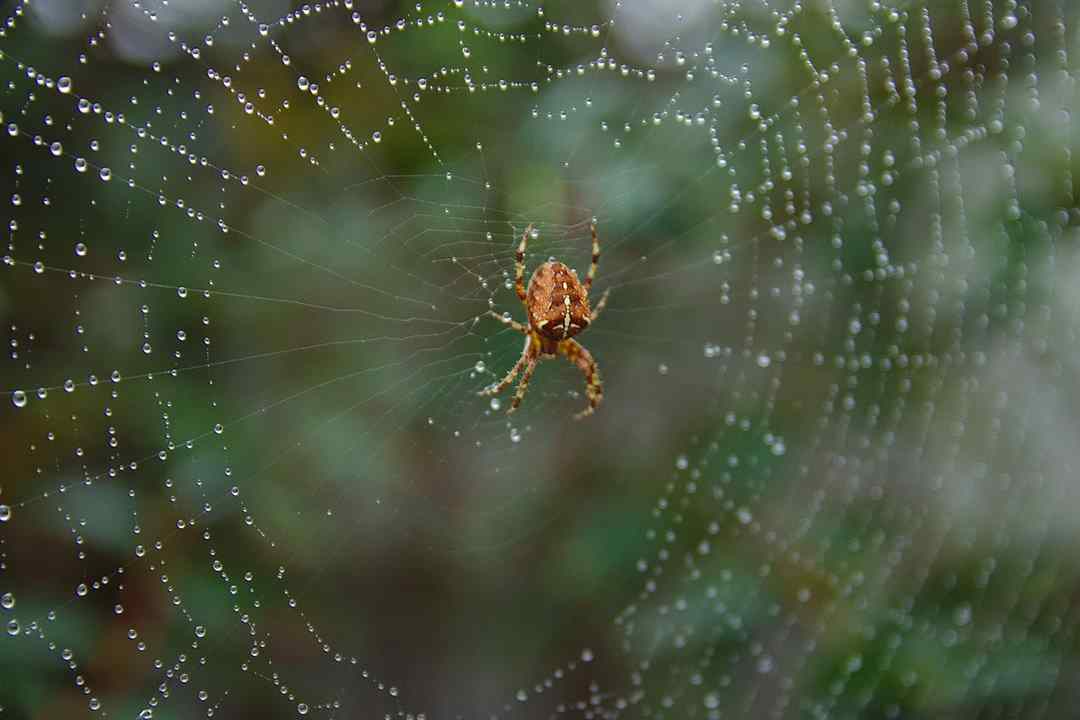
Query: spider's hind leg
{"points": [[595, 258], [519, 265], [599, 306], [508, 322]]}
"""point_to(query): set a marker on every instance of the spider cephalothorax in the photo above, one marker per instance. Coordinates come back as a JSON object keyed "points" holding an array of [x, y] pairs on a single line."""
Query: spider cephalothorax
{"points": [[556, 308]]}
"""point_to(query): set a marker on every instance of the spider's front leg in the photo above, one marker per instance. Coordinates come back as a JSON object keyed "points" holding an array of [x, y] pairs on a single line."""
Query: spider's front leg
{"points": [[524, 384], [497, 388], [581, 357]]}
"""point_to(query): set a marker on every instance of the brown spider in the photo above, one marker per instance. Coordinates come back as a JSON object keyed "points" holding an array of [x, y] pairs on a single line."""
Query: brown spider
{"points": [[556, 308]]}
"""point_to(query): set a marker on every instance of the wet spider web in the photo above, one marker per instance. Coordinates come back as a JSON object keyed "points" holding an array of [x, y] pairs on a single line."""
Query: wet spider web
{"points": [[250, 251]]}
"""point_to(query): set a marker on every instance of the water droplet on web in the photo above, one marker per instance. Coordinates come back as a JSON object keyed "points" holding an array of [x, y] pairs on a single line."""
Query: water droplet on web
{"points": [[80, 249], [7, 601], [302, 709], [480, 366], [5, 513], [64, 84], [13, 627], [18, 398]]}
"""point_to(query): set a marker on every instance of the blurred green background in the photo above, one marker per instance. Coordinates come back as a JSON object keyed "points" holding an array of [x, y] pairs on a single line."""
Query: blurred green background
{"points": [[251, 247]]}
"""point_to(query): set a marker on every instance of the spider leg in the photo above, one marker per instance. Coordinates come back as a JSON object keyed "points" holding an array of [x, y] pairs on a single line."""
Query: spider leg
{"points": [[519, 265], [595, 258], [509, 323], [526, 354], [599, 306], [524, 384], [581, 357]]}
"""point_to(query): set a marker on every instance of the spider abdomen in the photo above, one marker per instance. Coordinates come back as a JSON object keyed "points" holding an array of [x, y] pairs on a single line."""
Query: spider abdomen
{"points": [[558, 304]]}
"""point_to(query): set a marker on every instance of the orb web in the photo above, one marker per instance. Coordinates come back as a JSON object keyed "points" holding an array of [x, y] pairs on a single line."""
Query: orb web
{"points": [[251, 253]]}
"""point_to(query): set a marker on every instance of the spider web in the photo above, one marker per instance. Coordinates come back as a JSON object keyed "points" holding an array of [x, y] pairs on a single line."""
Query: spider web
{"points": [[251, 251]]}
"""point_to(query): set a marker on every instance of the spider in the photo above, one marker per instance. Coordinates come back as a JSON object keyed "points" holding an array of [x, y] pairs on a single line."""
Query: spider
{"points": [[556, 309]]}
